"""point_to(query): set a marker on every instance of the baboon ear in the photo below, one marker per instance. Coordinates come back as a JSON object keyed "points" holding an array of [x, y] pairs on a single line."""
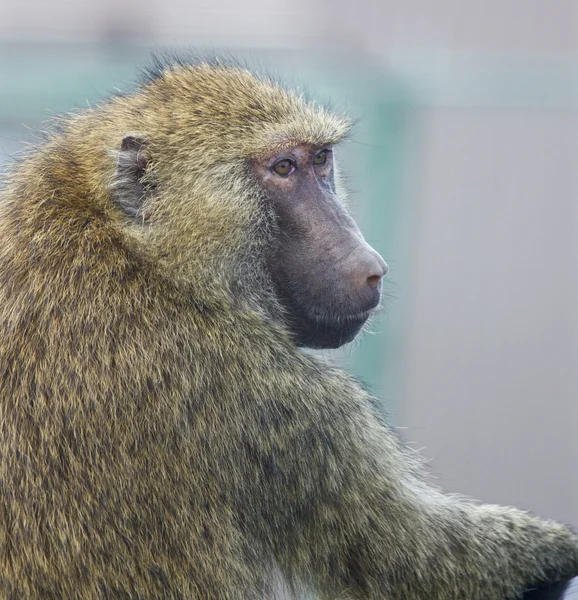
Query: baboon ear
{"points": [[132, 183]]}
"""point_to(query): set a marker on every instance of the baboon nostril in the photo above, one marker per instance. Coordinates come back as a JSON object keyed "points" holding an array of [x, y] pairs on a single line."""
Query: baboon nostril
{"points": [[374, 280], [378, 270]]}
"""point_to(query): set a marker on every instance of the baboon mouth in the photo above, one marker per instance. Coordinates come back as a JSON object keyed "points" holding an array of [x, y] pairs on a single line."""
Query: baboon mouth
{"points": [[311, 332]]}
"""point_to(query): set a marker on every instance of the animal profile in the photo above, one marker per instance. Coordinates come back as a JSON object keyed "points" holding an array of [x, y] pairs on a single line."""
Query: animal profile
{"points": [[164, 258]]}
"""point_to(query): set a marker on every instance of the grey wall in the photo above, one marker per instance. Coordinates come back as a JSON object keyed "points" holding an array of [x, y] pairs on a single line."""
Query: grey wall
{"points": [[491, 372]]}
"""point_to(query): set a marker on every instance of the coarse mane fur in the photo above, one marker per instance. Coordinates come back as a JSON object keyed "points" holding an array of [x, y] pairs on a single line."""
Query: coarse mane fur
{"points": [[123, 342]]}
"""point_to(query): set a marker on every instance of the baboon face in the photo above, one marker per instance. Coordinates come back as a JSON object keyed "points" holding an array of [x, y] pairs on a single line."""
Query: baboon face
{"points": [[216, 126], [327, 276]]}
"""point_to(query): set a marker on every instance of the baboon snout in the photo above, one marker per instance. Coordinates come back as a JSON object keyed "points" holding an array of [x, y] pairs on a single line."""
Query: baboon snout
{"points": [[363, 271]]}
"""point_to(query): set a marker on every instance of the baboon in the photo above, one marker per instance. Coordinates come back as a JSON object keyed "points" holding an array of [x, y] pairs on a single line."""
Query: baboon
{"points": [[163, 259]]}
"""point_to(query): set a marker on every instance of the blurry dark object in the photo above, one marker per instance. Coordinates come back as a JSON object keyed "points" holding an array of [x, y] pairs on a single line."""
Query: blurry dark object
{"points": [[560, 591]]}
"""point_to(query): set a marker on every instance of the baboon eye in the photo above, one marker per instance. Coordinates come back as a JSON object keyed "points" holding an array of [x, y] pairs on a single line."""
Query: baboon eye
{"points": [[284, 167], [320, 158]]}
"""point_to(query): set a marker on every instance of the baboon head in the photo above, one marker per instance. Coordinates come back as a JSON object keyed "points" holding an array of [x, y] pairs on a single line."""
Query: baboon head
{"points": [[229, 175]]}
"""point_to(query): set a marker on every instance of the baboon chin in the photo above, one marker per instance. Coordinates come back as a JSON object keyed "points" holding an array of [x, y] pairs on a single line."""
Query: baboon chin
{"points": [[162, 258]]}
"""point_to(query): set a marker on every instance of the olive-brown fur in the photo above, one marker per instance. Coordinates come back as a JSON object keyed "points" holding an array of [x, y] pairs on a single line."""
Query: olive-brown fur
{"points": [[161, 436]]}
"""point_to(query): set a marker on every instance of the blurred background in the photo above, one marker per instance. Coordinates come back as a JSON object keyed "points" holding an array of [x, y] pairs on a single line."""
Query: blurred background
{"points": [[463, 174]]}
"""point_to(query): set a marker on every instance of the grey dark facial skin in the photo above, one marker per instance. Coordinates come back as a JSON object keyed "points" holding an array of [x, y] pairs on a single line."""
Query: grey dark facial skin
{"points": [[327, 276]]}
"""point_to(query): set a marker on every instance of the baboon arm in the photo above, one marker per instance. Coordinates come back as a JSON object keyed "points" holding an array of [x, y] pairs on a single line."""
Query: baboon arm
{"points": [[345, 507], [453, 549], [383, 522]]}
